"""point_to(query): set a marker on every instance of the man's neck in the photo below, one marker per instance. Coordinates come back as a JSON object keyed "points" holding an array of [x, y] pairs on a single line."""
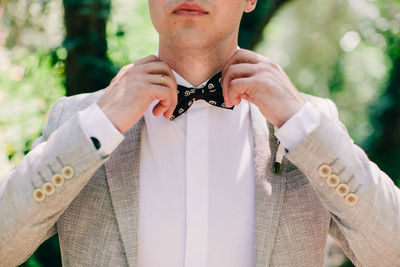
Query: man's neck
{"points": [[197, 65]]}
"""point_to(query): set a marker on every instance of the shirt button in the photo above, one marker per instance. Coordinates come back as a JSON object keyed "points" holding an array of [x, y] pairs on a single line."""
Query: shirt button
{"points": [[342, 190], [332, 180], [39, 195], [58, 180], [325, 170], [48, 189], [67, 172], [351, 199]]}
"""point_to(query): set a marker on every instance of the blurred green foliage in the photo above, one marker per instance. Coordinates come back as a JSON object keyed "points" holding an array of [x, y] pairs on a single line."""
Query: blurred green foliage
{"points": [[130, 34], [336, 49], [29, 81], [28, 88]]}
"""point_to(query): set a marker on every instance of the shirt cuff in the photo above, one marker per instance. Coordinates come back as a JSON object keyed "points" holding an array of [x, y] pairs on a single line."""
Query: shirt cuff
{"points": [[298, 127], [100, 130]]}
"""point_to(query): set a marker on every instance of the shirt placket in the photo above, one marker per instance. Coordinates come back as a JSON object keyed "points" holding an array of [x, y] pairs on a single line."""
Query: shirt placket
{"points": [[197, 148]]}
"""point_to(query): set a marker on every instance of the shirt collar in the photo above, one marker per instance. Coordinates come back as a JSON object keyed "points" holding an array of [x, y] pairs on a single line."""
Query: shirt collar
{"points": [[182, 81]]}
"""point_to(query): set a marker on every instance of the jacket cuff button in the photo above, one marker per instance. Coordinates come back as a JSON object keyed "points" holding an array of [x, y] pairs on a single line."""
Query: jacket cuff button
{"points": [[351, 199], [342, 190], [39, 195], [58, 180], [67, 172], [332, 180], [325, 170], [48, 189]]}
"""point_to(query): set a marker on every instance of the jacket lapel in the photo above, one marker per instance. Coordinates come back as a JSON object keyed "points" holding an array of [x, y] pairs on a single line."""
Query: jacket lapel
{"points": [[123, 167], [122, 170], [269, 188]]}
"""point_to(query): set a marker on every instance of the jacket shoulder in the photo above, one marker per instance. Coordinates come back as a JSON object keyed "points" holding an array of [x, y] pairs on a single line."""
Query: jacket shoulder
{"points": [[73, 104], [324, 105], [65, 107], [82, 101]]}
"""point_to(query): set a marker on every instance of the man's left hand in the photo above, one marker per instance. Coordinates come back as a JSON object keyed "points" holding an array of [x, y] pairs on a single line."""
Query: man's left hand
{"points": [[257, 79]]}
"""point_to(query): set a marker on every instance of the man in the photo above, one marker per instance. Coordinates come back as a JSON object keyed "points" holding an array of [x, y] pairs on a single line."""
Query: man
{"points": [[218, 186]]}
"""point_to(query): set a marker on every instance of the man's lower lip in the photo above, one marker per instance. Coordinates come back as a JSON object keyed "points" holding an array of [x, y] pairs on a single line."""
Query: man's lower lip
{"points": [[189, 13]]}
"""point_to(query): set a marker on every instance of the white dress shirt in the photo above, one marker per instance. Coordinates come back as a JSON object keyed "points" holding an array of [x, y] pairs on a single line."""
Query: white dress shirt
{"points": [[196, 202], [196, 205]]}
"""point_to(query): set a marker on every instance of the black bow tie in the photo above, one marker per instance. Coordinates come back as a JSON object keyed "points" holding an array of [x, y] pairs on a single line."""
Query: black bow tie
{"points": [[211, 93]]}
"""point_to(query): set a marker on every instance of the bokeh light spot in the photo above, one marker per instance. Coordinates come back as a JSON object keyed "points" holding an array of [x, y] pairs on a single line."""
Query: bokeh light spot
{"points": [[349, 41]]}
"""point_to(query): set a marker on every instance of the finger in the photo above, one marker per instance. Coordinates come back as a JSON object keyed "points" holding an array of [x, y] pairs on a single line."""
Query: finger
{"points": [[156, 79], [148, 59], [241, 56], [247, 97], [158, 68], [171, 84], [233, 72], [139, 62], [160, 108], [239, 88], [163, 93], [174, 101]]}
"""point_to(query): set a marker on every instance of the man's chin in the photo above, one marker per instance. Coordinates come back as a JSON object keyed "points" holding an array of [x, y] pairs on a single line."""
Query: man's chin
{"points": [[190, 42]]}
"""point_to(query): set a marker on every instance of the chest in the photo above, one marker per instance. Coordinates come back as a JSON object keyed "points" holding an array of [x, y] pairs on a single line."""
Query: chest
{"points": [[288, 223]]}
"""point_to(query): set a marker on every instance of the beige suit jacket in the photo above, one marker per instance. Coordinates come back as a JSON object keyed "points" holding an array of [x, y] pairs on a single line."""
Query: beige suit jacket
{"points": [[95, 213]]}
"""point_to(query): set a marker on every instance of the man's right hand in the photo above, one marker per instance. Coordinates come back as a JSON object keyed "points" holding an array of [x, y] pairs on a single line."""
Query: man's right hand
{"points": [[134, 88]]}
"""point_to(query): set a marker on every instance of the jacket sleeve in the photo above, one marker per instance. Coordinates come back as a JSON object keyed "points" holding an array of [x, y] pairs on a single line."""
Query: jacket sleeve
{"points": [[363, 201], [40, 188]]}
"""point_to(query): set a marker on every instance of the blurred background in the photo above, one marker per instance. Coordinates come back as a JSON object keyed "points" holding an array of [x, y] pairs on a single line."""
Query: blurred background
{"points": [[347, 50]]}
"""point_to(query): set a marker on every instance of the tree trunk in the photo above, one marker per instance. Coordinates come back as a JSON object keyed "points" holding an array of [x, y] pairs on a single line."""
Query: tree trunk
{"points": [[253, 23], [87, 67]]}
